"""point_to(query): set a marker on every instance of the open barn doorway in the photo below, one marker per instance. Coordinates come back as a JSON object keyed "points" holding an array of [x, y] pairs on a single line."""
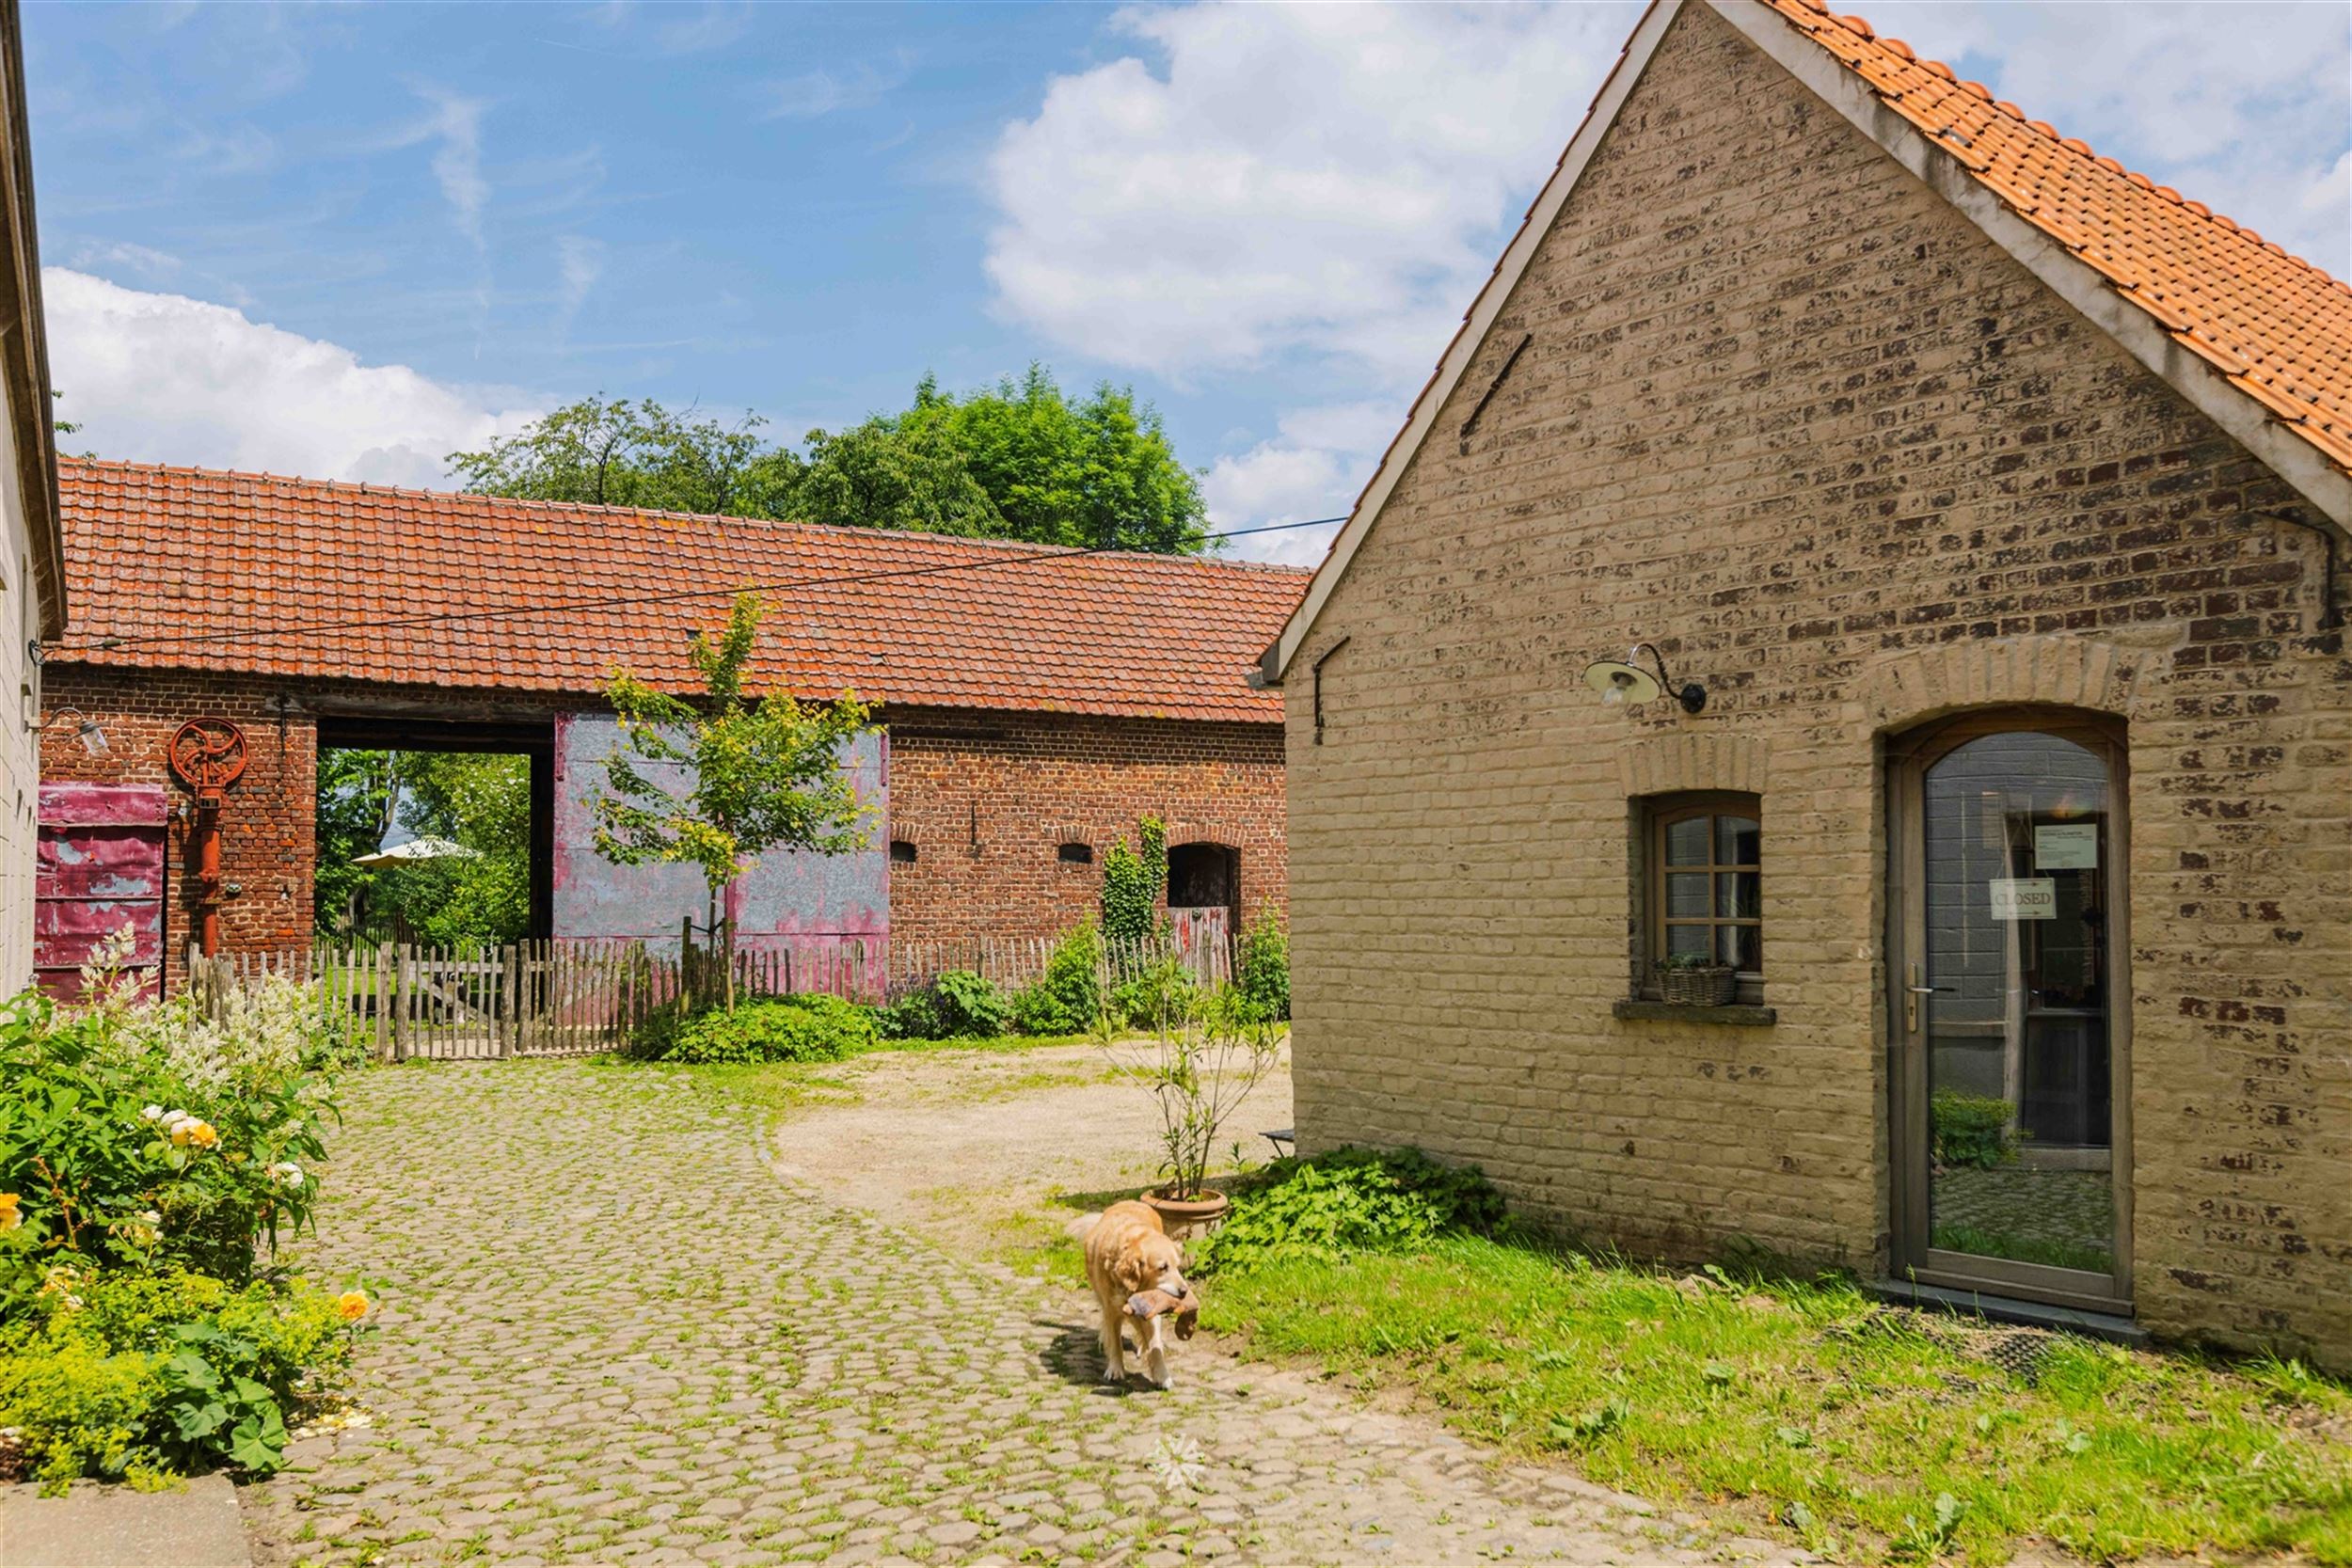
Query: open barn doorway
{"points": [[434, 832]]}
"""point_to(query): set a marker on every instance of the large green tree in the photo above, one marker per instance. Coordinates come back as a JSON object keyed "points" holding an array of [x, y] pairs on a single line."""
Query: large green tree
{"points": [[1018, 460], [641, 454]]}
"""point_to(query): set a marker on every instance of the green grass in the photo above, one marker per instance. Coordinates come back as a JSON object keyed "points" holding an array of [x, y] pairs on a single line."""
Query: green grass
{"points": [[1860, 1430], [2022, 1250]]}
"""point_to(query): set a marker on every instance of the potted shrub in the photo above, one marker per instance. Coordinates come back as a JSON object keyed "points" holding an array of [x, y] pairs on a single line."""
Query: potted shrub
{"points": [[1204, 1055], [1697, 980]]}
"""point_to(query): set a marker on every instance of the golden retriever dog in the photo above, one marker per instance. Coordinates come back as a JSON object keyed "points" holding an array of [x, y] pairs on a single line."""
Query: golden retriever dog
{"points": [[1128, 1252]]}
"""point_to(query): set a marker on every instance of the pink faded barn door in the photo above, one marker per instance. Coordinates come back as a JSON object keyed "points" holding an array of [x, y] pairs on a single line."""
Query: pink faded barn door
{"points": [[102, 868]]}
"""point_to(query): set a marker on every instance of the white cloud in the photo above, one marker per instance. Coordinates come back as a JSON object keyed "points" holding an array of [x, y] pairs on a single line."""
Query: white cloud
{"points": [[143, 260], [455, 127], [816, 93], [710, 27], [1327, 179], [1314, 468], [160, 377], [578, 263]]}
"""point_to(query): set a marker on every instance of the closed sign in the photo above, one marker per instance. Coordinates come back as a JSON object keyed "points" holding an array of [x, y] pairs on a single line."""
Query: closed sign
{"points": [[2024, 899]]}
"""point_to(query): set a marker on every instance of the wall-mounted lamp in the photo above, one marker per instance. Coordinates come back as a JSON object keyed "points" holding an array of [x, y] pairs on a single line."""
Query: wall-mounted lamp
{"points": [[93, 738], [1630, 683]]}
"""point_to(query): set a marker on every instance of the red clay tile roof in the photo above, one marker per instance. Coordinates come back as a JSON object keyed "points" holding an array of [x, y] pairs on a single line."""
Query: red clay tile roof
{"points": [[161, 552], [2280, 328]]}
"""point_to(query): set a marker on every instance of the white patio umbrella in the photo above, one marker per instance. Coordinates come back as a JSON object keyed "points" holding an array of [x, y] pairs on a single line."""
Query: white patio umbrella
{"points": [[417, 850]]}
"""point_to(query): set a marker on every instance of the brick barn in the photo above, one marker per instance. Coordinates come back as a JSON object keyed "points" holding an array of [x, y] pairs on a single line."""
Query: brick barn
{"points": [[1034, 703], [1992, 502]]}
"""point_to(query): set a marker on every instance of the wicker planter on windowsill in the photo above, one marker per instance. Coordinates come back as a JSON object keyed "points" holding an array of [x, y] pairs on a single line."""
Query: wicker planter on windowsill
{"points": [[1703, 986]]}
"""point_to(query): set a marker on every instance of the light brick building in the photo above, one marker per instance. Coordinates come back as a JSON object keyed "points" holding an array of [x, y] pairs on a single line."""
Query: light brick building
{"points": [[1991, 495], [32, 570], [1034, 704]]}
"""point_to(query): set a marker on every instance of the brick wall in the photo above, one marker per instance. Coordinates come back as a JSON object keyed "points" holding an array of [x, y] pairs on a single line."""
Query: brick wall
{"points": [[987, 802], [1792, 418], [987, 798], [268, 825]]}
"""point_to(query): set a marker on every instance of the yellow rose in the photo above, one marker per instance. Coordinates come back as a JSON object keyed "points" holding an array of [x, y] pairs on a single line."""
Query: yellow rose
{"points": [[203, 1136], [10, 1218], [352, 1306]]}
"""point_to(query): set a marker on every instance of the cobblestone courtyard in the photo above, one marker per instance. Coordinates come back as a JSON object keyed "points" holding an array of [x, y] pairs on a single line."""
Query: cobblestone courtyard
{"points": [[613, 1331]]}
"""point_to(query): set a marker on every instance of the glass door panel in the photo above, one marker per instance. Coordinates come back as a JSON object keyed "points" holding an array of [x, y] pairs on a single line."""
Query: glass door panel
{"points": [[2012, 990]]}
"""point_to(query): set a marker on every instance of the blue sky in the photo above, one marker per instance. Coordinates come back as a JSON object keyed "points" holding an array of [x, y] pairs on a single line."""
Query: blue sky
{"points": [[343, 240]]}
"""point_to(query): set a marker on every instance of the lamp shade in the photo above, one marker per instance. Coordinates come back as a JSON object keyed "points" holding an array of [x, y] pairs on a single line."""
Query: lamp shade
{"points": [[1620, 683]]}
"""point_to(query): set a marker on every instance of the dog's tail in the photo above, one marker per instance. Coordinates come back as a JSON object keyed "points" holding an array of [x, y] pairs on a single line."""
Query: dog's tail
{"points": [[1080, 1229]]}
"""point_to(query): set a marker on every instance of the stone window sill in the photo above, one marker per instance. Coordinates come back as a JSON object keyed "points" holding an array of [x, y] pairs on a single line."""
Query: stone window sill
{"points": [[1738, 1014]]}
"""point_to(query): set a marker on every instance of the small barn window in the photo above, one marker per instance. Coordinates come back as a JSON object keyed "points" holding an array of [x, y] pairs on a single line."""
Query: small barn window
{"points": [[1703, 885], [903, 851], [1075, 853]]}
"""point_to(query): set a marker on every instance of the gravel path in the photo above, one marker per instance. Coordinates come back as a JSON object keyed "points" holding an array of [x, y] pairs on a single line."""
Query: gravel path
{"points": [[614, 1331]]}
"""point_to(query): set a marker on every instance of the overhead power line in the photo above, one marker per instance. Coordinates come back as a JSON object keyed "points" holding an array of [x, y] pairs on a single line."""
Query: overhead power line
{"points": [[265, 634]]}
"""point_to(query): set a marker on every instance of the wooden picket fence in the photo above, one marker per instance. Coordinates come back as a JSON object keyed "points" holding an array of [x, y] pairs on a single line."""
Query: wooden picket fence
{"points": [[525, 999], [574, 997], [1201, 940]]}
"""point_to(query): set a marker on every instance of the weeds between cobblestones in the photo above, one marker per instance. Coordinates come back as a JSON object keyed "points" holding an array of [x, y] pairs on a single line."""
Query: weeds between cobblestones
{"points": [[613, 1333]]}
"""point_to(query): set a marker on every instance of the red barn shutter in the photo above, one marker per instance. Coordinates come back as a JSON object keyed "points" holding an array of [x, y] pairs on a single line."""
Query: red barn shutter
{"points": [[101, 869]]}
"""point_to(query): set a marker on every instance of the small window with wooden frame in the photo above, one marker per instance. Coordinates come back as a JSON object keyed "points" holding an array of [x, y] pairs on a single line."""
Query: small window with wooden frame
{"points": [[1699, 889]]}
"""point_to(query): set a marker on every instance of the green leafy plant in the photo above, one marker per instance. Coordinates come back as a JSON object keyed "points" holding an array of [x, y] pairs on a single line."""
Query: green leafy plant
{"points": [[761, 773], [1972, 1132], [1133, 881], [969, 1005], [1351, 1200], [1691, 960], [1066, 999], [1262, 966], [213, 1413], [961, 1004], [809, 1026], [112, 1373]]}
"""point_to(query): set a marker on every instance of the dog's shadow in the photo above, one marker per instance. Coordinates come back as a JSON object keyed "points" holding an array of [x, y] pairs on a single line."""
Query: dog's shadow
{"points": [[1075, 1354]]}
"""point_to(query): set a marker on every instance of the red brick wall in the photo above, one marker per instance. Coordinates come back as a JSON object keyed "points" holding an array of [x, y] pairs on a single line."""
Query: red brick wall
{"points": [[988, 800], [1022, 784], [268, 826]]}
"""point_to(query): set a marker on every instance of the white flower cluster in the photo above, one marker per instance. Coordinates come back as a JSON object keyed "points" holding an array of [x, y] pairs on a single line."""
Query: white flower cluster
{"points": [[262, 1031], [104, 984], [286, 1173]]}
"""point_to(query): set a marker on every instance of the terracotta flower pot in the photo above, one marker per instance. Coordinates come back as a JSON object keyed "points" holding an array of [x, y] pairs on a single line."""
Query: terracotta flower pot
{"points": [[1189, 1216]]}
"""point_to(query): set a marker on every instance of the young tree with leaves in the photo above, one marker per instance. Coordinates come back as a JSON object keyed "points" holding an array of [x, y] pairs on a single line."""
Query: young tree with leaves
{"points": [[759, 773]]}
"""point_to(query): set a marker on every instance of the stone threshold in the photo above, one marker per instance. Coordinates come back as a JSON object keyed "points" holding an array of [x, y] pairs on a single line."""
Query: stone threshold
{"points": [[2011, 1310]]}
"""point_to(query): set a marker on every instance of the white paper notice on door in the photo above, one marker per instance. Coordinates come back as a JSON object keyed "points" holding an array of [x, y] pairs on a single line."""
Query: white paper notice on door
{"points": [[2066, 847], [2024, 899]]}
